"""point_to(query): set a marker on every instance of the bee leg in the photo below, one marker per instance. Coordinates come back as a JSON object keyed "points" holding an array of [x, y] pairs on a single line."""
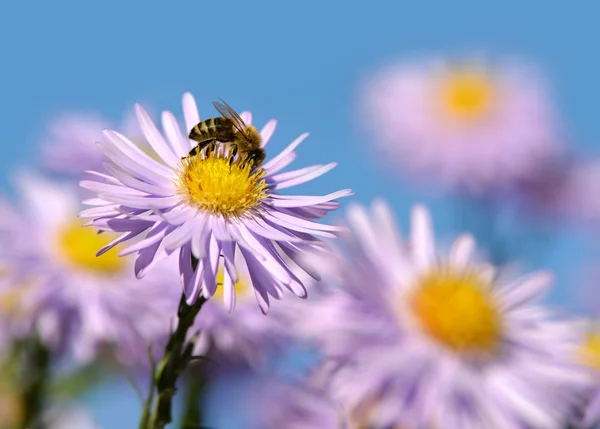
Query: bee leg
{"points": [[234, 151], [200, 147]]}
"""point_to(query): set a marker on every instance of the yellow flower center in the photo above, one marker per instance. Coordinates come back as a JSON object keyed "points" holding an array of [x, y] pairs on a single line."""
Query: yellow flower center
{"points": [[78, 246], [455, 308], [242, 288], [215, 186], [467, 94], [590, 351], [11, 301]]}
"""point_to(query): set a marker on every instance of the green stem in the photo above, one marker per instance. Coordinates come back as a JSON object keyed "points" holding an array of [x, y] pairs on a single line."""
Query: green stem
{"points": [[178, 354], [196, 386], [35, 369]]}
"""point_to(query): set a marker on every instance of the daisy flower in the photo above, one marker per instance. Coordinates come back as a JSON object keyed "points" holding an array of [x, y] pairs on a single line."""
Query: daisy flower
{"points": [[434, 339], [201, 205], [470, 125], [69, 147], [74, 299], [571, 194], [590, 356]]}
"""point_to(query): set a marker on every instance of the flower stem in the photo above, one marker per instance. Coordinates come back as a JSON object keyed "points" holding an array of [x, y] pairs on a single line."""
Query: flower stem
{"points": [[35, 369], [193, 415], [178, 353]]}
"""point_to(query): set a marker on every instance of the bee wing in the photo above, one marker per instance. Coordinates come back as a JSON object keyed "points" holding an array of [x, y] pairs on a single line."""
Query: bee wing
{"points": [[227, 112]]}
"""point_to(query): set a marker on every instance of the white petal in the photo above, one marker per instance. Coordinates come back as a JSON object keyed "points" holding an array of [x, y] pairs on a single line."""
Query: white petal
{"points": [[190, 111], [422, 241]]}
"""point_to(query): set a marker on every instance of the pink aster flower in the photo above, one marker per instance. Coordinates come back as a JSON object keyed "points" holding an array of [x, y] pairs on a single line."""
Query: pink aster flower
{"points": [[205, 206], [470, 125], [588, 415], [76, 301], [420, 337], [70, 145], [572, 193]]}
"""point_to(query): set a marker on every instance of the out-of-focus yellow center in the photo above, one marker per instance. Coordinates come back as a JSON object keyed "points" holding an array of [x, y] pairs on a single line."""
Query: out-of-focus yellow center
{"points": [[213, 185], [242, 288], [455, 308], [590, 351], [78, 246], [467, 94], [11, 301]]}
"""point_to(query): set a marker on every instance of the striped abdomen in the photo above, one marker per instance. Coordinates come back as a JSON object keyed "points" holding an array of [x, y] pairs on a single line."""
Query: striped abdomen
{"points": [[212, 129]]}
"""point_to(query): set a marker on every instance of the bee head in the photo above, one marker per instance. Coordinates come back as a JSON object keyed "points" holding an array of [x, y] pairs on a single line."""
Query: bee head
{"points": [[254, 138]]}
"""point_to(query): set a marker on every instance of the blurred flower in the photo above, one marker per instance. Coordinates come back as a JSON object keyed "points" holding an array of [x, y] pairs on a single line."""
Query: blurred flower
{"points": [[71, 145], [205, 206], [62, 415], [590, 356], [471, 125], [434, 340], [55, 281], [287, 405], [572, 193]]}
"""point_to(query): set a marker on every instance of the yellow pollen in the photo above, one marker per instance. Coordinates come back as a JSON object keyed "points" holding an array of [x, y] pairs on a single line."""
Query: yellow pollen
{"points": [[455, 309], [78, 246], [215, 186], [467, 94], [242, 288], [590, 351]]}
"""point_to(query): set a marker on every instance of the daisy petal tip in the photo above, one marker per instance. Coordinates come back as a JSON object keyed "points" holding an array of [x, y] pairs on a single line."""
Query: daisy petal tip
{"points": [[191, 299]]}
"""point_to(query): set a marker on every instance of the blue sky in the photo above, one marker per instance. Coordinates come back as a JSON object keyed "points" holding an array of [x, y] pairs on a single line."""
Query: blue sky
{"points": [[301, 62]]}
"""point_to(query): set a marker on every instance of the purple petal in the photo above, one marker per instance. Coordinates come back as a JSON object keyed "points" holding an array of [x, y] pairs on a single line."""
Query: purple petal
{"points": [[190, 111], [177, 215], [272, 262], [246, 117], [286, 219], [104, 187], [267, 131], [127, 224], [228, 248], [132, 167], [211, 266], [122, 238], [154, 137], [263, 229], [295, 173], [124, 148], [300, 259], [153, 237], [200, 237], [180, 144], [132, 182], [142, 202], [301, 201], [275, 162], [228, 291], [305, 178], [182, 235], [195, 286]]}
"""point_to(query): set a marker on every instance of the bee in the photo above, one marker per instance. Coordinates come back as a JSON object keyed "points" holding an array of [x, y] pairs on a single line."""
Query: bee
{"points": [[229, 128]]}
